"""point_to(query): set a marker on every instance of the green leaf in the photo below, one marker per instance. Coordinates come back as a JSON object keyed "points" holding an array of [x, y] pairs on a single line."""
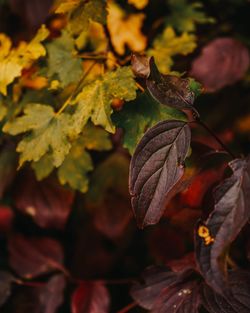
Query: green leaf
{"points": [[139, 115], [168, 45], [43, 167], [62, 61], [80, 13], [114, 174], [184, 16], [95, 99], [46, 132], [77, 164]]}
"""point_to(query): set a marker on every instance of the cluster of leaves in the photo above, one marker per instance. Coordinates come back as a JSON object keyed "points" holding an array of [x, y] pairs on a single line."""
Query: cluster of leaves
{"points": [[91, 89]]}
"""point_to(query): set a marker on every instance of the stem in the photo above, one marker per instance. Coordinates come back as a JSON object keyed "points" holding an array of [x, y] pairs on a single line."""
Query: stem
{"points": [[206, 127], [128, 307]]}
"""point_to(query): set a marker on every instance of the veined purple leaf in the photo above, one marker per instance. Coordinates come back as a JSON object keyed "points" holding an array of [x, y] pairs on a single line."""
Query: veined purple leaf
{"points": [[237, 302], [170, 90], [230, 214], [164, 291], [156, 167]]}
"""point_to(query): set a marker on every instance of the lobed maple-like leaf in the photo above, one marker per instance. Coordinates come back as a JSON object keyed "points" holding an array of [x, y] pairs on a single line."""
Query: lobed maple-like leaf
{"points": [[146, 113], [33, 257], [6, 279], [80, 13], [184, 16], [156, 167], [78, 163], [62, 61], [13, 61], [90, 297], [139, 4], [95, 99], [125, 29], [228, 56], [47, 131], [231, 213], [48, 203], [167, 45]]}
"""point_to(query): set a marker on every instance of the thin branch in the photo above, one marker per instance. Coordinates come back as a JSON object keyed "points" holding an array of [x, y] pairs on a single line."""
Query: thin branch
{"points": [[128, 307]]}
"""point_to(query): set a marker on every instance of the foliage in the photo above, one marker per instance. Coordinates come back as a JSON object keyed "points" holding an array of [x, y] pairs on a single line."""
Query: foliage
{"points": [[102, 118]]}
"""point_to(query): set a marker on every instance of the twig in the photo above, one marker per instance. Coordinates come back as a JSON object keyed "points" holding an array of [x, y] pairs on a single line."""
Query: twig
{"points": [[128, 307]]}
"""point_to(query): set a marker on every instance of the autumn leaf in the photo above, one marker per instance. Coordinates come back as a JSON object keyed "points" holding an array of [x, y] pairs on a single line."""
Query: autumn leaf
{"points": [[155, 169], [80, 13], [74, 169], [146, 113], [125, 30], [167, 45], [223, 225], [184, 16], [228, 56], [46, 131], [171, 90], [48, 203], [95, 99], [90, 297], [13, 61], [139, 4], [31, 257], [62, 60]]}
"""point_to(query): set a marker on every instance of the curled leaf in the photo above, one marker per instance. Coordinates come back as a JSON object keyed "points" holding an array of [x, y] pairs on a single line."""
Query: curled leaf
{"points": [[231, 213], [170, 90], [156, 167]]}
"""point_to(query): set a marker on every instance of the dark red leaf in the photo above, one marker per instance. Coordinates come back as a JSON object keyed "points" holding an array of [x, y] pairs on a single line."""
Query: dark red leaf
{"points": [[166, 292], [222, 62], [231, 213], [156, 167], [35, 256], [170, 90], [51, 296], [6, 218], [90, 297], [47, 202], [5, 286]]}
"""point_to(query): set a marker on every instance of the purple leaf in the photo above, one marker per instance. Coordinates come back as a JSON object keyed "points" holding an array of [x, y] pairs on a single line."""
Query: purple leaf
{"points": [[51, 296], [33, 257], [238, 301], [170, 90], [5, 286], [222, 62], [230, 214], [164, 291], [156, 167]]}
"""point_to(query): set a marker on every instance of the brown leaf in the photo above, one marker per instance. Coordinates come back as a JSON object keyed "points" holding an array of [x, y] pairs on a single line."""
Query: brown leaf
{"points": [[222, 62], [48, 203], [35, 256]]}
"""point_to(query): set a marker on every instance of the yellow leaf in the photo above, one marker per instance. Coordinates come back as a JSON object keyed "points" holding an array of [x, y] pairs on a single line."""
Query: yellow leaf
{"points": [[67, 6], [12, 61], [243, 125], [139, 4], [125, 29], [168, 44]]}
